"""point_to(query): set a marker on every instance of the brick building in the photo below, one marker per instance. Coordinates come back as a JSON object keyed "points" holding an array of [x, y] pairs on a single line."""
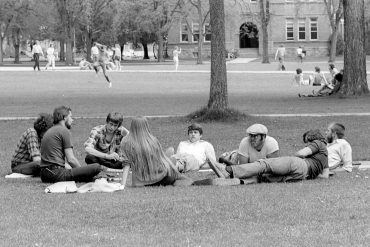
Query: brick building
{"points": [[293, 23]]}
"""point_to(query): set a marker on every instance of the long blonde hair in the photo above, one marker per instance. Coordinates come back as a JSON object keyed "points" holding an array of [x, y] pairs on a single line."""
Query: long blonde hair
{"points": [[144, 151]]}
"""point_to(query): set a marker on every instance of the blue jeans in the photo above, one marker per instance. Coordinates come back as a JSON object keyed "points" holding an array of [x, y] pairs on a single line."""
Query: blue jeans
{"points": [[31, 168], [54, 173], [283, 169]]}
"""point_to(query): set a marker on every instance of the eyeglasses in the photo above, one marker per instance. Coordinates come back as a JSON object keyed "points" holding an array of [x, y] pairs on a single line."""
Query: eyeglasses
{"points": [[253, 135]]}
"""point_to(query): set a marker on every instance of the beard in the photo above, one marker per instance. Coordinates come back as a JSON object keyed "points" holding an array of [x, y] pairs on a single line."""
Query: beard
{"points": [[330, 139], [68, 125]]}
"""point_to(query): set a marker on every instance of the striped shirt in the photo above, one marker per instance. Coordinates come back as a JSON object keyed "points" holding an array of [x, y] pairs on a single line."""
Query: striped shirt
{"points": [[97, 139], [28, 147]]}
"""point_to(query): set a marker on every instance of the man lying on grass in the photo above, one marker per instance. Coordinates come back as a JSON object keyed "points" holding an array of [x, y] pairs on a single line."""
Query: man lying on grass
{"points": [[307, 163], [256, 145]]}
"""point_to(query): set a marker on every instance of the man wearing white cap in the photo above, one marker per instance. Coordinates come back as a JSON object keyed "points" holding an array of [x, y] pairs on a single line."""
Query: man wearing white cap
{"points": [[257, 145]]}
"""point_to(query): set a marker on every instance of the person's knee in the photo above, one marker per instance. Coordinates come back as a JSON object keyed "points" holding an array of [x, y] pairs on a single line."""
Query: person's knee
{"points": [[90, 159]]}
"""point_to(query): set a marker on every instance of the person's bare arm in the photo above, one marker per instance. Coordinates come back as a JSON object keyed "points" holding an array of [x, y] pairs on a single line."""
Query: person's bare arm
{"points": [[242, 159], [36, 158], [93, 151], [304, 152], [71, 159], [273, 154]]}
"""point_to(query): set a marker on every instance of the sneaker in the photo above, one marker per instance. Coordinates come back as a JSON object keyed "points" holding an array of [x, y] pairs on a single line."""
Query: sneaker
{"points": [[110, 85], [219, 169]]}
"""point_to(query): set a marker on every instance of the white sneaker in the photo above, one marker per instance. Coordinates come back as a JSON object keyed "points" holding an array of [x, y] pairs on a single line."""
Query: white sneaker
{"points": [[110, 85]]}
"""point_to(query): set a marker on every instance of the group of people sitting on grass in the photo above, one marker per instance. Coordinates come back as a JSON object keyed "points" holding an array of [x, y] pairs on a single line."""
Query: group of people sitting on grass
{"points": [[328, 86], [46, 150]]}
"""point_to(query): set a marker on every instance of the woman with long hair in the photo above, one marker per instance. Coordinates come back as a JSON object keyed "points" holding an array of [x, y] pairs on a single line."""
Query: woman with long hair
{"points": [[143, 152]]}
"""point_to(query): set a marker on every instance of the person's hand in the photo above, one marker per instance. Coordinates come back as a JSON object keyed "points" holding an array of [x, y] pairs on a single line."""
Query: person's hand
{"points": [[113, 156]]}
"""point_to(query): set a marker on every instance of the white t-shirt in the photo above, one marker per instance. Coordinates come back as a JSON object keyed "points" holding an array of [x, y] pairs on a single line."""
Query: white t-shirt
{"points": [[299, 51], [50, 51], [176, 55], [95, 50], [245, 149], [340, 154], [200, 150]]}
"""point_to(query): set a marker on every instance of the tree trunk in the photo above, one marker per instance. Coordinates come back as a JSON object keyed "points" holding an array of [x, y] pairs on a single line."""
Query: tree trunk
{"points": [[16, 53], [200, 45], [62, 56], [218, 90], [333, 46], [354, 79], [1, 50], [160, 47], [16, 42], [88, 37], [69, 58], [265, 35], [145, 47]]}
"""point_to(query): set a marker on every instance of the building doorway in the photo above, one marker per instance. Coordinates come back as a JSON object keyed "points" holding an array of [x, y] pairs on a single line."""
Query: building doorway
{"points": [[248, 35]]}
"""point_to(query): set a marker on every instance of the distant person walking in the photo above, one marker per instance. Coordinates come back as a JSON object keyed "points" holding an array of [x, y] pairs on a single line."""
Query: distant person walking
{"points": [[117, 56], [50, 52], [36, 52], [280, 54], [300, 54], [176, 53]]}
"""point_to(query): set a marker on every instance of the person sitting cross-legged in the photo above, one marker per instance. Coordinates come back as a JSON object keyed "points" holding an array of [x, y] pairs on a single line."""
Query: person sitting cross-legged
{"points": [[307, 163], [104, 141], [192, 154], [26, 158], [57, 153], [150, 166]]}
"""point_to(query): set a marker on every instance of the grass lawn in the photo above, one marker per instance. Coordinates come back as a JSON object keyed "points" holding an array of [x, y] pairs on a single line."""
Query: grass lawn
{"points": [[331, 212]]}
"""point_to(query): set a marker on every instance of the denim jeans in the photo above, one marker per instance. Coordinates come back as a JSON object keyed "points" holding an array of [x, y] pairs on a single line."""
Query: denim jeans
{"points": [[91, 159], [78, 174], [284, 169], [31, 168]]}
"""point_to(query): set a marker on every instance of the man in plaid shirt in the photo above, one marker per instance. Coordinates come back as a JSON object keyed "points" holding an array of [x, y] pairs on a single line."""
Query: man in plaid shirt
{"points": [[104, 142], [26, 158]]}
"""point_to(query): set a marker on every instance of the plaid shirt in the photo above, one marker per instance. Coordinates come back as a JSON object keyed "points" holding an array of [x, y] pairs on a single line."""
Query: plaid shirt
{"points": [[28, 147], [98, 141]]}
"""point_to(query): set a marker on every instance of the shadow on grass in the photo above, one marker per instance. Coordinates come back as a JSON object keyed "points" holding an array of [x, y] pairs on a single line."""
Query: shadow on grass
{"points": [[212, 115]]}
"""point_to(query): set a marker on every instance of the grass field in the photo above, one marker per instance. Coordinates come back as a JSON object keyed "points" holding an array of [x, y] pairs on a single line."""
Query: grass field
{"points": [[330, 212]]}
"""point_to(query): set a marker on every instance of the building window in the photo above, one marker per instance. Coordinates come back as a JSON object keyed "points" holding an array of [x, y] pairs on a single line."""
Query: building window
{"points": [[253, 1], [184, 33], [289, 29], [195, 32], [207, 31], [313, 27], [301, 29]]}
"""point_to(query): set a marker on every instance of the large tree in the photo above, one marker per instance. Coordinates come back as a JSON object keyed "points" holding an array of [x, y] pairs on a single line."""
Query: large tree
{"points": [[265, 20], [335, 14], [95, 23], [69, 12], [354, 79], [218, 96], [202, 10]]}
